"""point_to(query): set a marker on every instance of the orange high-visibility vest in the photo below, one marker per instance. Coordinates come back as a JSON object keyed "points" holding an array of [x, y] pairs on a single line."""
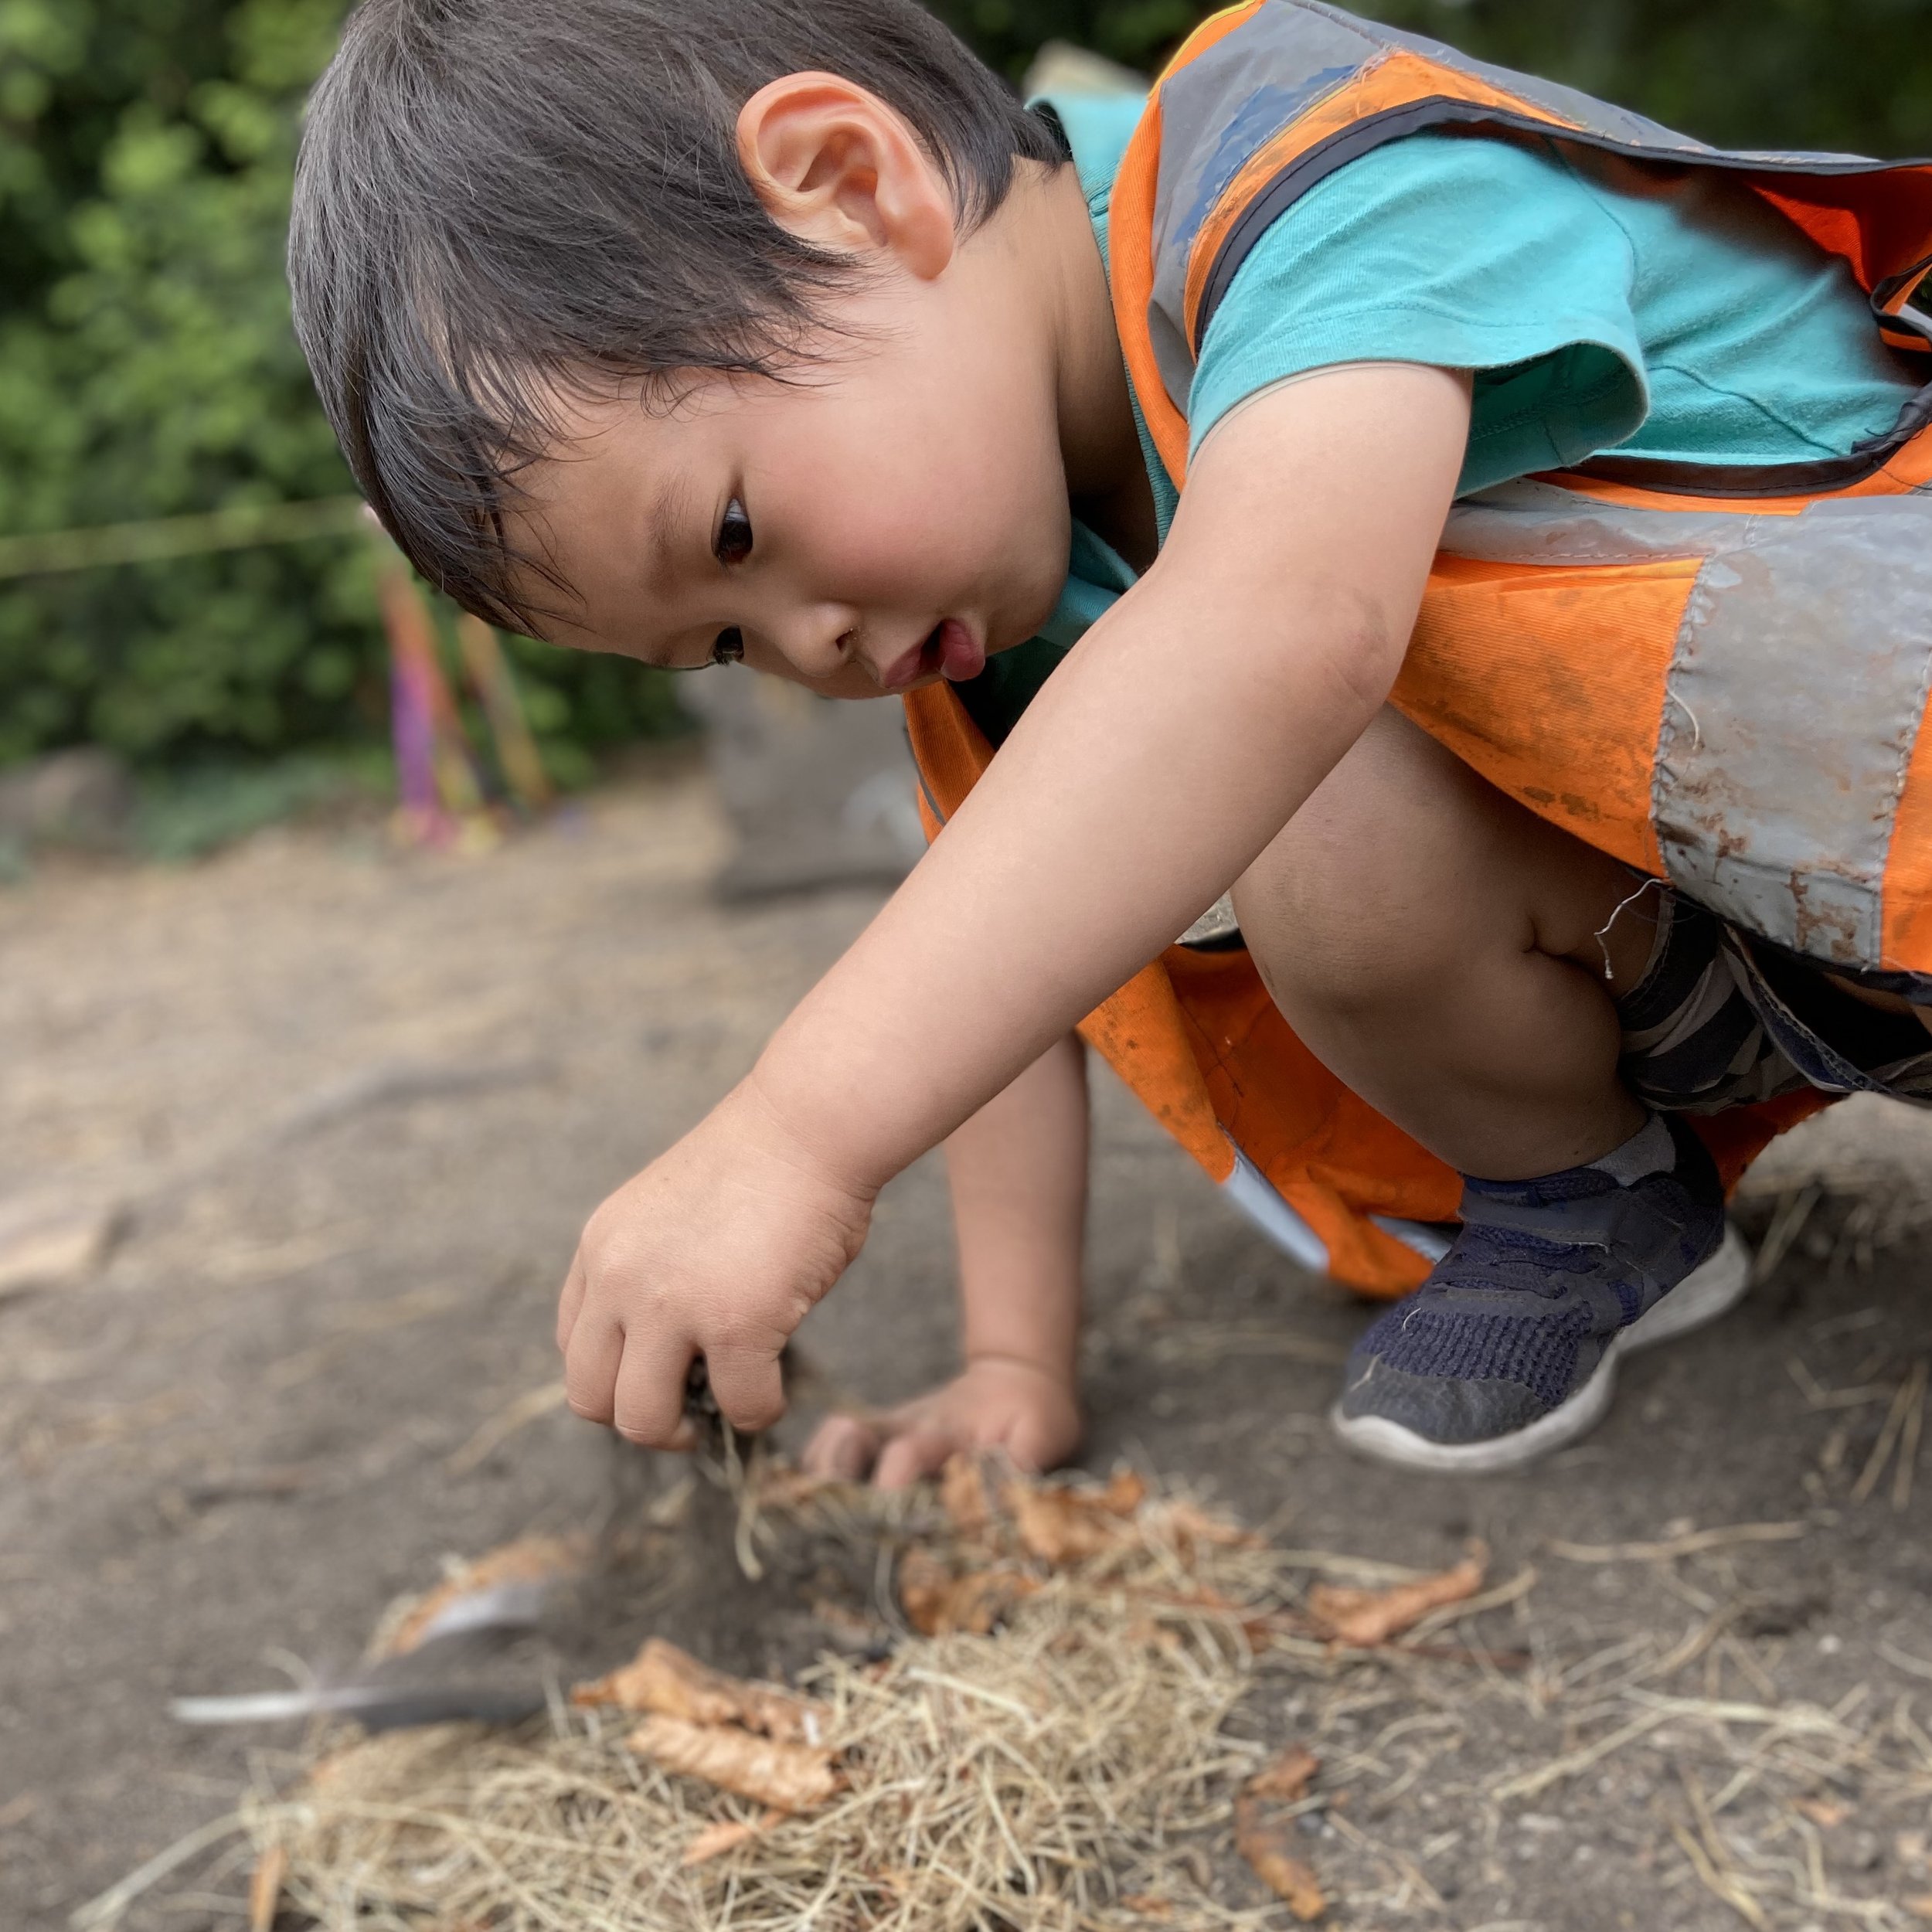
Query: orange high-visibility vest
{"points": [[1717, 674]]}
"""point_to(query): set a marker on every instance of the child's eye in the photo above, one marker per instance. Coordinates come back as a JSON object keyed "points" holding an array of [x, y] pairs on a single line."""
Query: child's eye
{"points": [[733, 543], [729, 647]]}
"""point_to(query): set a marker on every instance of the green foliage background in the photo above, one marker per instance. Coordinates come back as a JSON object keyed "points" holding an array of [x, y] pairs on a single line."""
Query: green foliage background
{"points": [[147, 367]]}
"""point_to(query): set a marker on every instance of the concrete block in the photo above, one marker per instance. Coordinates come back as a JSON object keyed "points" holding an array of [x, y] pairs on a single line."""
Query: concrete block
{"points": [[821, 791]]}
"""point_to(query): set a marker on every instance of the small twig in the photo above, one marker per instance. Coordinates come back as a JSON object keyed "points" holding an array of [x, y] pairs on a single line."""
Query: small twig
{"points": [[1514, 1591], [100, 1914], [1693, 1543], [1530, 1783], [1731, 1888], [1715, 1881], [741, 1479], [1911, 1390], [1909, 1440], [1817, 1397], [1904, 1661], [1693, 1647], [1793, 1210], [1801, 1720], [513, 1416]]}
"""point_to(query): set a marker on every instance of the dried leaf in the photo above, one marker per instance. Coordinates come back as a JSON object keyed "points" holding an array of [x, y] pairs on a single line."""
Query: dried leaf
{"points": [[727, 1835], [530, 1559], [1147, 1905], [1367, 1617], [924, 1583], [1823, 1811], [1287, 1777], [265, 1889], [962, 1494], [788, 1777], [938, 1604], [780, 1488], [672, 1682], [1265, 1844], [1062, 1525], [1187, 1523], [846, 1626]]}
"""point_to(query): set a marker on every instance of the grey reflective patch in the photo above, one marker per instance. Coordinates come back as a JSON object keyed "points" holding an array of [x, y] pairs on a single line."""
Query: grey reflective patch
{"points": [[1218, 926], [1791, 711], [1532, 523], [1598, 116], [1214, 114]]}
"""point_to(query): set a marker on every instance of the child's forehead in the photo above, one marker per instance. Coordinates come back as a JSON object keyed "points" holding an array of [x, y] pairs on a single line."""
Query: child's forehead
{"points": [[615, 448], [623, 485], [664, 421]]}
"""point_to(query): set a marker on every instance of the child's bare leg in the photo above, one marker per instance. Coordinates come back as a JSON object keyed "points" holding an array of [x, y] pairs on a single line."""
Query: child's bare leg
{"points": [[1018, 1170], [1442, 951], [1445, 951]]}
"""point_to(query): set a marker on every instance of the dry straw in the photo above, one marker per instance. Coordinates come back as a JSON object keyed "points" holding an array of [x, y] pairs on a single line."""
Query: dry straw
{"points": [[1060, 1766], [1047, 1750]]}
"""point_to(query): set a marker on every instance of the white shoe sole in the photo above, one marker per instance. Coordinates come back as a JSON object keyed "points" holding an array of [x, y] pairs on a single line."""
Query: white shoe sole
{"points": [[1710, 1291]]}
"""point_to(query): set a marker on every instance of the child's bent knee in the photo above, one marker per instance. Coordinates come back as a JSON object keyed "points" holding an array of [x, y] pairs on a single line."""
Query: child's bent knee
{"points": [[1320, 939]]}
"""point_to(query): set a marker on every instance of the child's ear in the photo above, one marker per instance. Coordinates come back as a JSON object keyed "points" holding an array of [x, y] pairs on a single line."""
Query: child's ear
{"points": [[838, 168]]}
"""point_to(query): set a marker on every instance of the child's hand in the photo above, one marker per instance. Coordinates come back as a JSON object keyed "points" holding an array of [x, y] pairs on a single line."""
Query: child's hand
{"points": [[718, 1248], [999, 1402]]}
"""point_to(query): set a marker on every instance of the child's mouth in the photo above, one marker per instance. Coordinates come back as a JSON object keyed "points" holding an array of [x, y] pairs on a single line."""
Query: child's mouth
{"points": [[950, 649], [954, 652]]}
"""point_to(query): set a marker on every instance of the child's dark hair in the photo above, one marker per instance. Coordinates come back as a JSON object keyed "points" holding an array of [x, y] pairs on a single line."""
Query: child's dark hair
{"points": [[499, 198]]}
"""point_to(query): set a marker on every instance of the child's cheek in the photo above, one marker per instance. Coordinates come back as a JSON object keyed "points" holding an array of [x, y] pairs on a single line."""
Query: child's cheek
{"points": [[896, 537]]}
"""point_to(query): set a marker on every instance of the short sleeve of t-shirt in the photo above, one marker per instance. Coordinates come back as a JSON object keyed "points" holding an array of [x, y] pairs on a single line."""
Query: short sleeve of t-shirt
{"points": [[1602, 305]]}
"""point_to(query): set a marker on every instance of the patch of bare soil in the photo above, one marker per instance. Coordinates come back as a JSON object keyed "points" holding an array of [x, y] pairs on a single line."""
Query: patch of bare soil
{"points": [[308, 1133]]}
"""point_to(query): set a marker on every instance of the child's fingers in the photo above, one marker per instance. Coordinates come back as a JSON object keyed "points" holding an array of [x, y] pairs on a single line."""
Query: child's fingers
{"points": [[908, 1458], [749, 1385], [590, 1362], [843, 1447], [569, 1302], [647, 1406]]}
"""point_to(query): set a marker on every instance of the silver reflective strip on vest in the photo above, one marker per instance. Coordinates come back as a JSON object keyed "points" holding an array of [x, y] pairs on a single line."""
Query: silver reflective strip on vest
{"points": [[1217, 114], [1251, 1191], [1791, 708], [1534, 522], [1601, 118], [1794, 699]]}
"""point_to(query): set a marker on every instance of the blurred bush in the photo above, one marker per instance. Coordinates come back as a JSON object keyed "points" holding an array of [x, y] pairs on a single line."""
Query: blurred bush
{"points": [[147, 368]]}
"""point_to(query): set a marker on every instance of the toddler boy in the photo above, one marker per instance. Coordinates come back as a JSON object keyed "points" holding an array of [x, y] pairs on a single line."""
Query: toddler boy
{"points": [[735, 330]]}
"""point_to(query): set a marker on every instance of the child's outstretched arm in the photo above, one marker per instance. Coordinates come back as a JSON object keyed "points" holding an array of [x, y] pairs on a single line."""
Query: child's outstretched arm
{"points": [[1153, 767], [1018, 1171]]}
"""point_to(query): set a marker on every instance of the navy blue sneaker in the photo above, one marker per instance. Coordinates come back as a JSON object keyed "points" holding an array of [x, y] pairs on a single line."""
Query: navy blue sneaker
{"points": [[1509, 1349]]}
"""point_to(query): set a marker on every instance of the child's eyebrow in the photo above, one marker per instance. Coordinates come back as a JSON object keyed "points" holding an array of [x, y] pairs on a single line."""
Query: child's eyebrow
{"points": [[669, 509], [666, 519]]}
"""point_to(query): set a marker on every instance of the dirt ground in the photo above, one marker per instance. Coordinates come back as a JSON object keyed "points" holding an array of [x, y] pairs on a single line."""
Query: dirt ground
{"points": [[354, 1104]]}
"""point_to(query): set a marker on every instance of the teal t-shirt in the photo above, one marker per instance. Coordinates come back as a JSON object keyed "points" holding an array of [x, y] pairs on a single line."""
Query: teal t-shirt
{"points": [[1602, 305]]}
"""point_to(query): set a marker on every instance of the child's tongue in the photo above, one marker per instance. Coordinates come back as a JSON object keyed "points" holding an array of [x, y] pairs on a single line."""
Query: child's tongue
{"points": [[960, 654]]}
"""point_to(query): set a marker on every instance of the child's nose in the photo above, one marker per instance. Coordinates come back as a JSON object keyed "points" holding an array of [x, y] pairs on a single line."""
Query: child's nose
{"points": [[821, 642]]}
